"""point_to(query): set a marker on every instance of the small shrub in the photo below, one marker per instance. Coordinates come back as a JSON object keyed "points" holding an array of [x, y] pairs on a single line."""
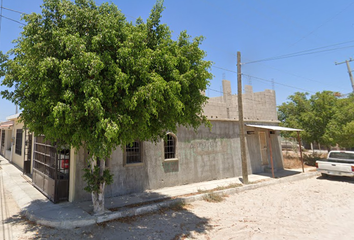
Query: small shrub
{"points": [[218, 188], [203, 191], [213, 197], [231, 185], [310, 159]]}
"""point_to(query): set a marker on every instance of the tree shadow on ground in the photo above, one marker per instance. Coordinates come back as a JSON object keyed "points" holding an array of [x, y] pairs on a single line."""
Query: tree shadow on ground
{"points": [[173, 222]]}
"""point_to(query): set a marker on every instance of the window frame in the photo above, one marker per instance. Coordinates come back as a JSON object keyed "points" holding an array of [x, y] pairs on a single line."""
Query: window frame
{"points": [[18, 142], [125, 155], [175, 147]]}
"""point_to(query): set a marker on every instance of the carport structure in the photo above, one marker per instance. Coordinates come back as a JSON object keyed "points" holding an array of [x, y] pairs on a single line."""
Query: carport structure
{"points": [[279, 128]]}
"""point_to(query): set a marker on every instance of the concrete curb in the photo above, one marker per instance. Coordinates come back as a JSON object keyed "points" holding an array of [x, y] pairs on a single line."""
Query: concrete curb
{"points": [[69, 216], [67, 224], [88, 220], [167, 203]]}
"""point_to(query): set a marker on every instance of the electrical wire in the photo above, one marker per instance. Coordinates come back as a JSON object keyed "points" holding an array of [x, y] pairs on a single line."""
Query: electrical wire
{"points": [[282, 84], [306, 78], [13, 20], [282, 71], [253, 100], [300, 53], [224, 69], [9, 9], [296, 54], [327, 21]]}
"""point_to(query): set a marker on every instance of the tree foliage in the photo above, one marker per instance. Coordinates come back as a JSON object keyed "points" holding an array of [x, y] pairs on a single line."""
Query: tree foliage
{"points": [[85, 76], [313, 115], [341, 127], [3, 60]]}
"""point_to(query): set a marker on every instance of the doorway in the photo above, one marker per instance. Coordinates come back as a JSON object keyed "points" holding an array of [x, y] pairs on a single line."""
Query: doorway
{"points": [[263, 148]]}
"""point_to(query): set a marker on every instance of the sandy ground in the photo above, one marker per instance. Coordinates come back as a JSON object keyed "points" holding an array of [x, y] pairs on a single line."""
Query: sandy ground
{"points": [[314, 208], [309, 209]]}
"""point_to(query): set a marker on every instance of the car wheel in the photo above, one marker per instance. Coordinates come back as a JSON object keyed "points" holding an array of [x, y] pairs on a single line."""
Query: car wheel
{"points": [[324, 175]]}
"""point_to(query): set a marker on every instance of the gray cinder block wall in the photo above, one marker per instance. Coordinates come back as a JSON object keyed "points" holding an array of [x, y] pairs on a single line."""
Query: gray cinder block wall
{"points": [[257, 106], [201, 156]]}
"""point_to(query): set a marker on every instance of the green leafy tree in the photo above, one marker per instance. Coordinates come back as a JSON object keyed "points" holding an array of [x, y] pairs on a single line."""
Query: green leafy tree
{"points": [[291, 113], [313, 115], [3, 60], [341, 127], [86, 77], [323, 105]]}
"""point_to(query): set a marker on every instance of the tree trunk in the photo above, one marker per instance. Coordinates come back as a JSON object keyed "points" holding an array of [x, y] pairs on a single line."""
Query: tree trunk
{"points": [[98, 200], [98, 197]]}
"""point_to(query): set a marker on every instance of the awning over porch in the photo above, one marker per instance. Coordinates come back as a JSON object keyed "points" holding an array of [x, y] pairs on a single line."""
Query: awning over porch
{"points": [[275, 128], [6, 125], [279, 128]]}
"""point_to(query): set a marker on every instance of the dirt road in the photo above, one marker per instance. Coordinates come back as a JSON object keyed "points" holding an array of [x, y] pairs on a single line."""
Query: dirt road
{"points": [[308, 209]]}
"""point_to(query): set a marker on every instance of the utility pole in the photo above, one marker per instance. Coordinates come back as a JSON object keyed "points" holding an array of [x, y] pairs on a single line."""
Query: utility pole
{"points": [[240, 121], [349, 70]]}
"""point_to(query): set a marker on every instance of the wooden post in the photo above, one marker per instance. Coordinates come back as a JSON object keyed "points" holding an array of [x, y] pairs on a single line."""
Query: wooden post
{"points": [[240, 120], [302, 160]]}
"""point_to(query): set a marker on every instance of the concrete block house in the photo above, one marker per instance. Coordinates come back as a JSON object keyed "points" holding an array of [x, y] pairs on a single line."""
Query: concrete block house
{"points": [[184, 157]]}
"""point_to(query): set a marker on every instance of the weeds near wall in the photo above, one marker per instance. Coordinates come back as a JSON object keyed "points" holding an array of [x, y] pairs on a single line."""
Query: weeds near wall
{"points": [[213, 197], [231, 185]]}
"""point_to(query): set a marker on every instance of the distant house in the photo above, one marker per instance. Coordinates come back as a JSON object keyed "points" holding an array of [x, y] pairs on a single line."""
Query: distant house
{"points": [[183, 157], [6, 139]]}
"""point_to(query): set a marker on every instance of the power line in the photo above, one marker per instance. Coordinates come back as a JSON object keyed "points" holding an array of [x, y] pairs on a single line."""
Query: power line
{"points": [[12, 10], [224, 69], [312, 49], [271, 81], [13, 20], [282, 84], [286, 72], [254, 100], [328, 20], [298, 76], [297, 54], [215, 90]]}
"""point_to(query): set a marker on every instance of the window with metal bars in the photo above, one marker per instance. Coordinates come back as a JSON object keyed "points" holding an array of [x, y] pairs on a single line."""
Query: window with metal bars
{"points": [[170, 146], [18, 147], [133, 153]]}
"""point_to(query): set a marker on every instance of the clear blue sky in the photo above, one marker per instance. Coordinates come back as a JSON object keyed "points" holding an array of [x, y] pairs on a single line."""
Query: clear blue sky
{"points": [[259, 29]]}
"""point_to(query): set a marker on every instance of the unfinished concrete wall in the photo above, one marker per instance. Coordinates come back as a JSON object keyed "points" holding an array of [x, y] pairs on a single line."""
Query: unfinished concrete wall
{"points": [[201, 156], [257, 106]]}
